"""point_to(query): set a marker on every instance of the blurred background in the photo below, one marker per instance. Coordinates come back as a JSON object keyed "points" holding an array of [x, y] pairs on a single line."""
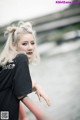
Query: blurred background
{"points": [[58, 37]]}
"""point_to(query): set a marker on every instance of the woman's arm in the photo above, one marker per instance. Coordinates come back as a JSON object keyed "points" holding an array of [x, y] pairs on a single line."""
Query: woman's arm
{"points": [[32, 106], [22, 113], [40, 92], [34, 109]]}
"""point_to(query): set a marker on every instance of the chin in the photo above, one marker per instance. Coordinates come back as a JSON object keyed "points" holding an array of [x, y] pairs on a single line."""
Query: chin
{"points": [[29, 57]]}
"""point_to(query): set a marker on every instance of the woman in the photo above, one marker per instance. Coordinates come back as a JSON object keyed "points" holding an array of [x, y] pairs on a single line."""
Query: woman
{"points": [[15, 79]]}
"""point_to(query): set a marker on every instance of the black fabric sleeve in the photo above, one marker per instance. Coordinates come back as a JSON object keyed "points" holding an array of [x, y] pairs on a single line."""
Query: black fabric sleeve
{"points": [[22, 80]]}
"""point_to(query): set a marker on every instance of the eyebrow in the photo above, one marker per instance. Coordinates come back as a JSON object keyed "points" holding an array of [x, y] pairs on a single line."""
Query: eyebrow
{"points": [[30, 41]]}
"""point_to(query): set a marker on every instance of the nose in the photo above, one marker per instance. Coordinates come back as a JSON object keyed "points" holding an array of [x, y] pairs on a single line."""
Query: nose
{"points": [[29, 46]]}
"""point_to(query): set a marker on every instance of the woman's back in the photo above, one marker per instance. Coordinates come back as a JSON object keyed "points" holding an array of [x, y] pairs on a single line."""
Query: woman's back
{"points": [[12, 85]]}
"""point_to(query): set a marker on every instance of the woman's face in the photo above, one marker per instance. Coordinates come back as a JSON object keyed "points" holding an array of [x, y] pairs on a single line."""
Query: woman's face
{"points": [[26, 44]]}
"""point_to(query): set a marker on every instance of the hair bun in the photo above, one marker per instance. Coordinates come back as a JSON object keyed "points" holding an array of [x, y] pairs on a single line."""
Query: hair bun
{"points": [[25, 25], [11, 29], [28, 24]]}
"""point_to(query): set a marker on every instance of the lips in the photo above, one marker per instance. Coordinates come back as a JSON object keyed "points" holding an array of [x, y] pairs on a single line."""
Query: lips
{"points": [[29, 53]]}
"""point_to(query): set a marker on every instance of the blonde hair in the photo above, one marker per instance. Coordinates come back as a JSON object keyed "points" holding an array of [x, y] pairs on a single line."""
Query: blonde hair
{"points": [[9, 52]]}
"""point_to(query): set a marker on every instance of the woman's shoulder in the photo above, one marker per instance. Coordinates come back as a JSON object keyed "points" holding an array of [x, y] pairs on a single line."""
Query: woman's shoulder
{"points": [[21, 57]]}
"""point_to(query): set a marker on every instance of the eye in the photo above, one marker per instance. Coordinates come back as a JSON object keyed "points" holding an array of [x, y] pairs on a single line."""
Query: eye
{"points": [[24, 43], [32, 43]]}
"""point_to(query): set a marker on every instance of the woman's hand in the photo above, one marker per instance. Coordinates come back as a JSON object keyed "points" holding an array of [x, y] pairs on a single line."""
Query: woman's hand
{"points": [[40, 93]]}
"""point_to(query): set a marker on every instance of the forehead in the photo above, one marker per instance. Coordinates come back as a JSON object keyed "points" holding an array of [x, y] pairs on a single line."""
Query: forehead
{"points": [[26, 37]]}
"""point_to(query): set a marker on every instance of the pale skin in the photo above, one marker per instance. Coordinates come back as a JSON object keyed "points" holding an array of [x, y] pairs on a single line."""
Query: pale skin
{"points": [[26, 44]]}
